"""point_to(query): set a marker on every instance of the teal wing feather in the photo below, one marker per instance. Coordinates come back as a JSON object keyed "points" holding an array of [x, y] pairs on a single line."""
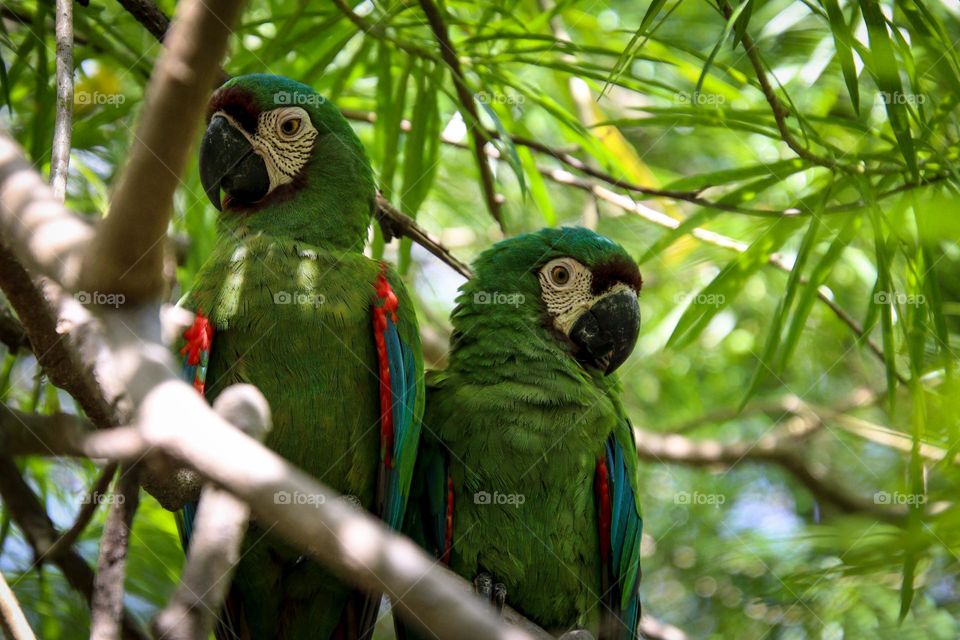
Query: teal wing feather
{"points": [[622, 557], [405, 400], [400, 369]]}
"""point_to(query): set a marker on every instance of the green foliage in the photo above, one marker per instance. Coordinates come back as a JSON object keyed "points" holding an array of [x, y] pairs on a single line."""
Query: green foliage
{"points": [[860, 205]]}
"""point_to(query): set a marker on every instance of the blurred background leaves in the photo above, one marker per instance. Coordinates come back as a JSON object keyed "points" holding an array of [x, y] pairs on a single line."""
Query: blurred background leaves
{"points": [[786, 171]]}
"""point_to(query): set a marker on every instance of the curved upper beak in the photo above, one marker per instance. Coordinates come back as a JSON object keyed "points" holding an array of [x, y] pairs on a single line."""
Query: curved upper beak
{"points": [[606, 333], [229, 162]]}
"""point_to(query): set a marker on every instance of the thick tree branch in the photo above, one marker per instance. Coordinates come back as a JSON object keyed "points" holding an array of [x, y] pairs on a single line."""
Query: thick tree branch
{"points": [[60, 155], [61, 356], [106, 607], [217, 534], [782, 447], [34, 222], [478, 134], [29, 515], [13, 623], [127, 253]]}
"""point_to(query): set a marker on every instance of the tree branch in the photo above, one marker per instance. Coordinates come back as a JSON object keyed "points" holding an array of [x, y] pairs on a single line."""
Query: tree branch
{"points": [[13, 623], [60, 154], [106, 606], [29, 515], [393, 222], [149, 15], [782, 447], [88, 507], [780, 112], [217, 534], [478, 133], [61, 355], [127, 253]]}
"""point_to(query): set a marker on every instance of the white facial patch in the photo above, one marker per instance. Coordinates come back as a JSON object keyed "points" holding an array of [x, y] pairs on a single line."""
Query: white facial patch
{"points": [[565, 287], [284, 139], [565, 290]]}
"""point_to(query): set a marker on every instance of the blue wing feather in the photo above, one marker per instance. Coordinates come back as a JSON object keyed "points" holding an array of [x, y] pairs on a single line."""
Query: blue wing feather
{"points": [[626, 526], [403, 391]]}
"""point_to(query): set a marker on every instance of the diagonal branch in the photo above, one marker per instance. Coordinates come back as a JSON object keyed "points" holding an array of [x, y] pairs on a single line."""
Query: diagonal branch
{"points": [[477, 133], [780, 111], [149, 15], [13, 623], [32, 519], [88, 507], [218, 530], [127, 253]]}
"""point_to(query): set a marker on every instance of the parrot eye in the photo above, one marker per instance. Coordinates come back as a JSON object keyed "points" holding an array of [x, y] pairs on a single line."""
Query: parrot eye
{"points": [[291, 123], [290, 127], [560, 275]]}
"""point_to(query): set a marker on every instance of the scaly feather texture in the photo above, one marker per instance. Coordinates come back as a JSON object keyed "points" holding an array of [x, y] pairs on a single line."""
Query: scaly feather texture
{"points": [[516, 427]]}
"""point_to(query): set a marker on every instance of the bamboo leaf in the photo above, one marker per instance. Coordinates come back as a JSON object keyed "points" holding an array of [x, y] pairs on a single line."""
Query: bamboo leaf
{"points": [[729, 282], [888, 79], [842, 40]]}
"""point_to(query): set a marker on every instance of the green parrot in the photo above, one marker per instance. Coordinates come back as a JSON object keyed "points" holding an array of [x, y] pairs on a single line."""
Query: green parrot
{"points": [[288, 302], [526, 480]]}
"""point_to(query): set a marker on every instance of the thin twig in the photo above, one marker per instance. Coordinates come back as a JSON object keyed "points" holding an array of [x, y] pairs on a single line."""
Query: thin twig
{"points": [[28, 514], [60, 155], [13, 623], [780, 448], [149, 15], [394, 222], [88, 507], [478, 133], [106, 605], [780, 112]]}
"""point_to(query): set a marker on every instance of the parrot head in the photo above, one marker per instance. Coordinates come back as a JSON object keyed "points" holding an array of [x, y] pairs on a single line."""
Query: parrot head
{"points": [[576, 289], [286, 161]]}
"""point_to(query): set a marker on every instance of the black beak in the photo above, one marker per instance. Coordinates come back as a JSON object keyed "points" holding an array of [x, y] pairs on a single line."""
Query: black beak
{"points": [[228, 162], [606, 334]]}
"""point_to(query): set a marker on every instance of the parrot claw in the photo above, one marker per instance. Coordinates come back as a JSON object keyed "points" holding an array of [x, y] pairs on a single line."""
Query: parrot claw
{"points": [[483, 585], [499, 596], [490, 591]]}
